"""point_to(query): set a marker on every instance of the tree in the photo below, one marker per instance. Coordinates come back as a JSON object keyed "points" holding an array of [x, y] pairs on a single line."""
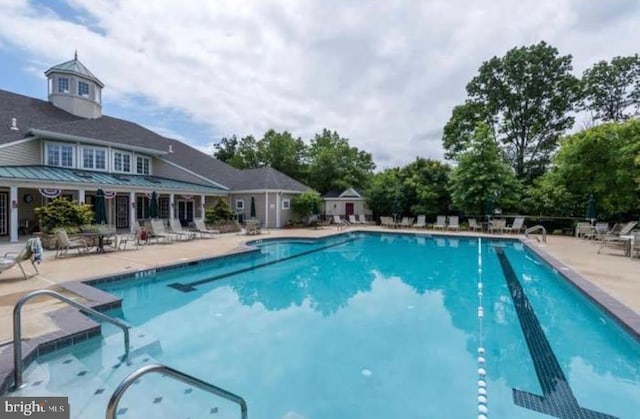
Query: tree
{"points": [[333, 164], [525, 98], [219, 213], [306, 203], [283, 153], [241, 154], [483, 176], [384, 192], [612, 89], [598, 161], [424, 186]]}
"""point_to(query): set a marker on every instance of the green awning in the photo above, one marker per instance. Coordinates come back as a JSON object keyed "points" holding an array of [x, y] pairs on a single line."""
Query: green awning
{"points": [[61, 176]]}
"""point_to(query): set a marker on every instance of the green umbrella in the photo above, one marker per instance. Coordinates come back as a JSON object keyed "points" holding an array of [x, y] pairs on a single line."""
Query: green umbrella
{"points": [[153, 206], [591, 209], [100, 208], [253, 207]]}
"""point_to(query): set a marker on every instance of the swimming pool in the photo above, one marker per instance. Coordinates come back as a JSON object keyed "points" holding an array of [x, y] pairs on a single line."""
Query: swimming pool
{"points": [[359, 326]]}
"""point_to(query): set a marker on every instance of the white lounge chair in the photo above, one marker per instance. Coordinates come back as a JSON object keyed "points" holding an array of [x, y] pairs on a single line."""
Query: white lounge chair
{"points": [[473, 225], [32, 252], [441, 222], [421, 222], [352, 219], [454, 223], [517, 226], [201, 227], [176, 228]]}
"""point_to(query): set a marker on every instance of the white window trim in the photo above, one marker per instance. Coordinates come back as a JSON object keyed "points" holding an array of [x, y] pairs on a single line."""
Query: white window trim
{"points": [[131, 161], [136, 163], [73, 154], [88, 89], [240, 204], [68, 85], [286, 204], [81, 158]]}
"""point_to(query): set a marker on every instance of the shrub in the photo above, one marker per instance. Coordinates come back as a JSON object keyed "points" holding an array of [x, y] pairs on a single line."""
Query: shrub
{"points": [[61, 213], [219, 213]]}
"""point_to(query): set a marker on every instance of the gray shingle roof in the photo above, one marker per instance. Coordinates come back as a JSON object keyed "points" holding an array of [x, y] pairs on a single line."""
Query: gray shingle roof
{"points": [[37, 114]]}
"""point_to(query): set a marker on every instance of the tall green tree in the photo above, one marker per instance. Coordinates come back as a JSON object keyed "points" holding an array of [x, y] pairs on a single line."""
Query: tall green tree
{"points": [[424, 186], [334, 164], [612, 89], [384, 192], [526, 98], [283, 152], [241, 154], [226, 148], [599, 161], [483, 176]]}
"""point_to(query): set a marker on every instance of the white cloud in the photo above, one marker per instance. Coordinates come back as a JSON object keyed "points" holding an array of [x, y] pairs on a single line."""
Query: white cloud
{"points": [[383, 74]]}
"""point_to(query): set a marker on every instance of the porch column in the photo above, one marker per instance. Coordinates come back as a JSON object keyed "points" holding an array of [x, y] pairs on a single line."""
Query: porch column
{"points": [[172, 207], [278, 209], [13, 217], [266, 209], [81, 197], [132, 212], [202, 198]]}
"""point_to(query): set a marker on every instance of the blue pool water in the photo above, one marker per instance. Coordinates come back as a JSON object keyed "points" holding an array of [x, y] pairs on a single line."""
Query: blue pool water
{"points": [[359, 326]]}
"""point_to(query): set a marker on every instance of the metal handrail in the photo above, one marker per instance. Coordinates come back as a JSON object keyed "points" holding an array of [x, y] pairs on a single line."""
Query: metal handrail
{"points": [[535, 228], [18, 365], [112, 406]]}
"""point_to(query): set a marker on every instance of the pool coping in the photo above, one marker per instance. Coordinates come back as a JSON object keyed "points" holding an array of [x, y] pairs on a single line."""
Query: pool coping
{"points": [[75, 327]]}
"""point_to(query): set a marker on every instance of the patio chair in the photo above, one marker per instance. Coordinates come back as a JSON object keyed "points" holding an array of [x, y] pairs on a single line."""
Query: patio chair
{"points": [[406, 222], [497, 225], [583, 229], [176, 228], [618, 240], [65, 244], [353, 220], [201, 227], [517, 226], [454, 223], [387, 222], [421, 222], [252, 227], [32, 252], [156, 230], [473, 225], [362, 219], [339, 222], [441, 222]]}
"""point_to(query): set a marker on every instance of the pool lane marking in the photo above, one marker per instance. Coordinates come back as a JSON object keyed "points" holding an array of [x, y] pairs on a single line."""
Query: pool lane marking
{"points": [[557, 397], [190, 286]]}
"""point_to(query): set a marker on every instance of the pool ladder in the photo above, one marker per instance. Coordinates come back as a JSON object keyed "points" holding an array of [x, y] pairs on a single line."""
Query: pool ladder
{"points": [[536, 228], [112, 406]]}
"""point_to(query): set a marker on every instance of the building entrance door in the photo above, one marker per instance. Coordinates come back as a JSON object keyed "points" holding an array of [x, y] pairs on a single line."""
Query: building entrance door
{"points": [[122, 211], [348, 209], [185, 212]]}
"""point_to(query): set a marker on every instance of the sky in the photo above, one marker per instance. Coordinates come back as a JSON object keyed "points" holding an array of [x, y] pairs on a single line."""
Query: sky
{"points": [[383, 74]]}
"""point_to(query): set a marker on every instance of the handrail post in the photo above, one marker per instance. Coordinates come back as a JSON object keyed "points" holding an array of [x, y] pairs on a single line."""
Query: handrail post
{"points": [[17, 329], [112, 406]]}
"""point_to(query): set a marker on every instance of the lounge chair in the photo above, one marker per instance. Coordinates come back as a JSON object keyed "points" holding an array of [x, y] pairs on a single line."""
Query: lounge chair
{"points": [[31, 252], [353, 220], [176, 228], [387, 222], [454, 223], [441, 222], [406, 222], [65, 244], [201, 227], [421, 222], [473, 225], [362, 219], [497, 225], [583, 229], [615, 240], [158, 231], [517, 226], [252, 227], [339, 222]]}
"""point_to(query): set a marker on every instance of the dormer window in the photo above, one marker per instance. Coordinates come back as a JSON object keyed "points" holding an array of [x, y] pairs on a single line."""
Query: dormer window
{"points": [[142, 165], [94, 158], [83, 89], [121, 162], [63, 85], [59, 155]]}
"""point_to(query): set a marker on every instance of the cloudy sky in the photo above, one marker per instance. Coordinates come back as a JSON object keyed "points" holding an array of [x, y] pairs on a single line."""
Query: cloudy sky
{"points": [[384, 74]]}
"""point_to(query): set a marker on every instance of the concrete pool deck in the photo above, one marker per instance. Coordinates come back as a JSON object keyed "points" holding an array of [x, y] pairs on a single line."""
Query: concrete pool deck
{"points": [[618, 276]]}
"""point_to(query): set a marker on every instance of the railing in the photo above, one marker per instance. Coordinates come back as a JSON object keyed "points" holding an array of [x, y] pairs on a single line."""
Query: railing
{"points": [[18, 365], [112, 406], [536, 228]]}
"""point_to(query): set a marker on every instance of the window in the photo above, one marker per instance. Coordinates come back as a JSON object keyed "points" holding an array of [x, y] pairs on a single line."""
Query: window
{"points": [[142, 165], [121, 162], [63, 85], [163, 207], [285, 204], [142, 207], [94, 158], [59, 155], [83, 88], [239, 204]]}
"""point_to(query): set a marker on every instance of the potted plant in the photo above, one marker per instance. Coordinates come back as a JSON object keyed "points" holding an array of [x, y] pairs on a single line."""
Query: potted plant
{"points": [[61, 213]]}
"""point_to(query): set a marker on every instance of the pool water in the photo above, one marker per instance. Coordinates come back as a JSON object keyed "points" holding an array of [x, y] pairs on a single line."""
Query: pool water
{"points": [[359, 326]]}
